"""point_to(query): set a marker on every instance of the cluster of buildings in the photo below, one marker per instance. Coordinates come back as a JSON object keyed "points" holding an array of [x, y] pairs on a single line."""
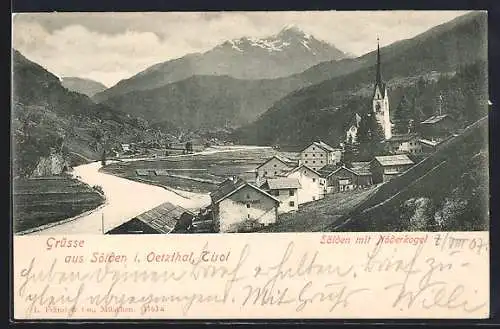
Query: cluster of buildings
{"points": [[432, 131], [281, 185]]}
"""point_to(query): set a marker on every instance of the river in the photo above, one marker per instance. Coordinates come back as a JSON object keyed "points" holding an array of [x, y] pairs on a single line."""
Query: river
{"points": [[125, 199]]}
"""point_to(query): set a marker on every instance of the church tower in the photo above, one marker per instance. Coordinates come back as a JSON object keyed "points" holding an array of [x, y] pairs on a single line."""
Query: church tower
{"points": [[381, 101]]}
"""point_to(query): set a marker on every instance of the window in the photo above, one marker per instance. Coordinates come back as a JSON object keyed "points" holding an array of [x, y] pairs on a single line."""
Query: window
{"points": [[292, 204], [275, 172], [276, 193], [248, 196], [314, 198], [305, 155], [248, 205], [306, 162], [292, 192], [314, 180], [265, 173], [274, 165], [321, 161], [314, 155], [313, 148], [248, 216], [314, 161]]}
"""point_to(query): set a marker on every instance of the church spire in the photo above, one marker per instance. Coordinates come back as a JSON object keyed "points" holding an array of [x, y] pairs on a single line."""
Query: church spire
{"points": [[379, 74]]}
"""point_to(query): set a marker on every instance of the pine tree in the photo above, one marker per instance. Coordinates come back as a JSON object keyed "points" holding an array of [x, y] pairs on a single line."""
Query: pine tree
{"points": [[402, 115]]}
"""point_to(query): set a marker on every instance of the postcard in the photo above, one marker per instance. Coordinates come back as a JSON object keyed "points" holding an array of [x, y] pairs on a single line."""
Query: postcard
{"points": [[250, 165]]}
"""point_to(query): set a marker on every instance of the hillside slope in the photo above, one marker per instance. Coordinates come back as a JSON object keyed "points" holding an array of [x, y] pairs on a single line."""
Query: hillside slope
{"points": [[46, 115], [323, 110], [83, 86], [205, 101], [414, 202]]}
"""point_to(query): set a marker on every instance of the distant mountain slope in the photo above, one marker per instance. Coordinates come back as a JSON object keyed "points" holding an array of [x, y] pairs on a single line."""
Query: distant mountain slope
{"points": [[83, 86], [290, 51], [46, 115], [322, 110], [205, 101]]}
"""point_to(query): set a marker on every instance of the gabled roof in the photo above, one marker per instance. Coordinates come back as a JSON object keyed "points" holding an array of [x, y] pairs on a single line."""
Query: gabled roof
{"points": [[281, 183], [402, 137], [383, 89], [436, 118], [164, 217], [394, 160], [231, 186], [300, 167], [321, 145], [282, 159], [327, 170], [343, 167]]}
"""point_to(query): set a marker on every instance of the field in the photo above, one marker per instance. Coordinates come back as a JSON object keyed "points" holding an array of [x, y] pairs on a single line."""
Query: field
{"points": [[41, 201], [197, 172]]}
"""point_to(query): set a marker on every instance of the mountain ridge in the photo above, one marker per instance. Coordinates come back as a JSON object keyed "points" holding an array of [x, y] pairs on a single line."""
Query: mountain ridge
{"points": [[281, 55], [83, 86], [446, 48]]}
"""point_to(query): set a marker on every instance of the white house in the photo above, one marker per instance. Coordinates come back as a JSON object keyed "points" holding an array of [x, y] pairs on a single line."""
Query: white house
{"points": [[286, 190], [238, 206], [312, 185]]}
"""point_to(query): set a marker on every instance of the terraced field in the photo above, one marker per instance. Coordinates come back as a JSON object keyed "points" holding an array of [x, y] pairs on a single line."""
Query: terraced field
{"points": [[41, 201]]}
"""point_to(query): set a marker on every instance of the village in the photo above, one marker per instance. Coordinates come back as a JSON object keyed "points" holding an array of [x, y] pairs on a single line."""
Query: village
{"points": [[282, 185]]}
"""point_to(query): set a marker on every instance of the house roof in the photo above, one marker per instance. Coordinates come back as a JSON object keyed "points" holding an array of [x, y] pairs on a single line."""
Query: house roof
{"points": [[300, 167], [282, 159], [429, 142], [282, 183], [435, 119], [402, 137], [394, 160], [327, 170], [231, 186], [164, 217], [321, 145]]}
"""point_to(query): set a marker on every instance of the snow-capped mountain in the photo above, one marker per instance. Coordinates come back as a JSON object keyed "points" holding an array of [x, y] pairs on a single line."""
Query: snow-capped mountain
{"points": [[288, 52]]}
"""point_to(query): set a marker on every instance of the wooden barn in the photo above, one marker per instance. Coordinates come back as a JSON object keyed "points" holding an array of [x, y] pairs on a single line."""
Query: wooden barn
{"points": [[164, 219], [386, 167], [438, 127], [344, 178]]}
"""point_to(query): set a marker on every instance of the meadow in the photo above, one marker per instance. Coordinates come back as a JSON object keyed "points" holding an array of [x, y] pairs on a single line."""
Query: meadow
{"points": [[40, 201], [196, 172]]}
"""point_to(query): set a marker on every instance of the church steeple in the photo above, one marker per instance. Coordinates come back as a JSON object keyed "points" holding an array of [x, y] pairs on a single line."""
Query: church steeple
{"points": [[381, 100], [379, 74]]}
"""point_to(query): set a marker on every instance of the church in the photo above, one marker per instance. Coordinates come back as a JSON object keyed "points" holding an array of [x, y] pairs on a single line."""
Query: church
{"points": [[380, 107]]}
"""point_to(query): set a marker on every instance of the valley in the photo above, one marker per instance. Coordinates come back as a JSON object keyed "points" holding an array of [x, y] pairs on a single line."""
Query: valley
{"points": [[180, 129]]}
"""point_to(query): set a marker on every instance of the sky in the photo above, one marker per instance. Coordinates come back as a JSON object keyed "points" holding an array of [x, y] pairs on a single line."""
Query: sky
{"points": [[108, 47]]}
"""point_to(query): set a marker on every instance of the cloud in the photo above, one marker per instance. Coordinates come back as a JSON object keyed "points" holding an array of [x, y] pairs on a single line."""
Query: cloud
{"points": [[109, 47]]}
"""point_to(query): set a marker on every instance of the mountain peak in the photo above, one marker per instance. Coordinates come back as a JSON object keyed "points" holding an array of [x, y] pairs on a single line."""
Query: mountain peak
{"points": [[291, 31]]}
